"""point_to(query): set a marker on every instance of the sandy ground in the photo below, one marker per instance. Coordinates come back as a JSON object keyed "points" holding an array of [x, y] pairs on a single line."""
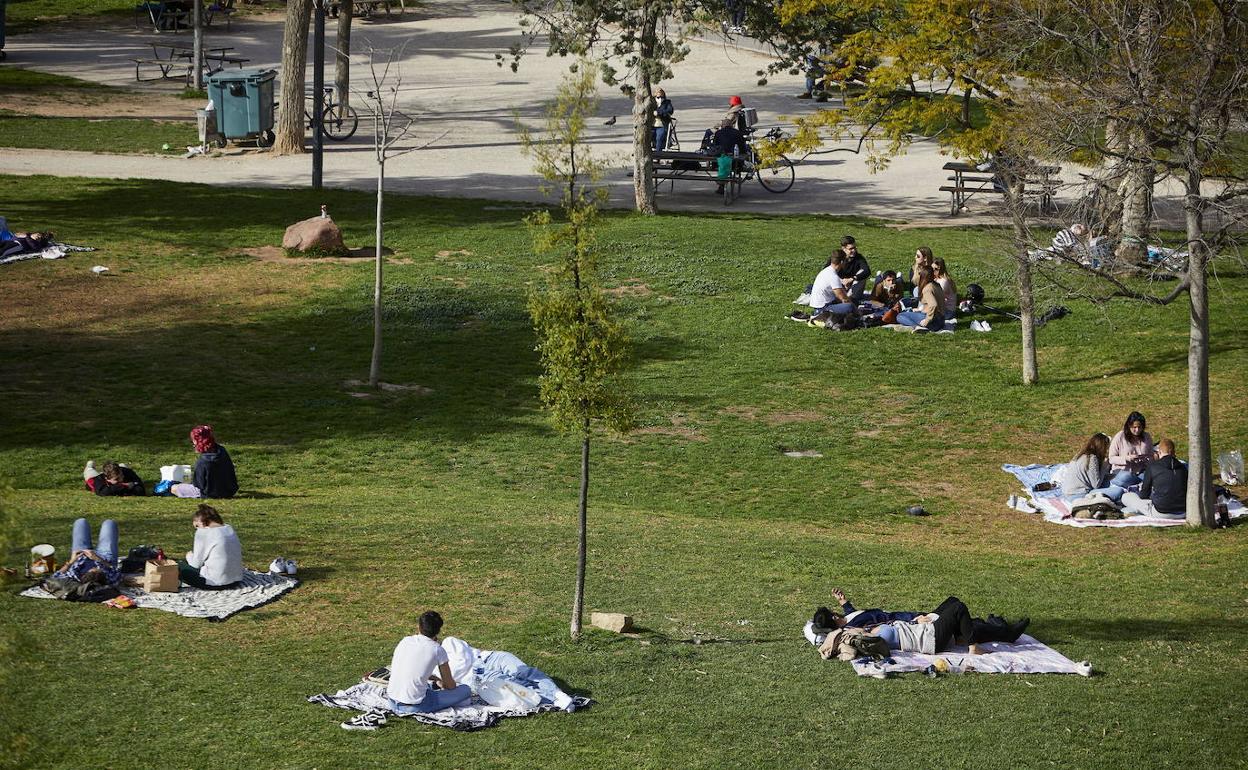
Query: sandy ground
{"points": [[450, 79]]}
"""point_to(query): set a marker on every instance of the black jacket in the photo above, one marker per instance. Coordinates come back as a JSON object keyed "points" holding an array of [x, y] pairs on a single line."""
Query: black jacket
{"points": [[1165, 483], [130, 484], [855, 269], [664, 109], [214, 474], [728, 139]]}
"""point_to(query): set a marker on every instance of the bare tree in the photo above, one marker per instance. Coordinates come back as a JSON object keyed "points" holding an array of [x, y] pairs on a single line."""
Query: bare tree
{"points": [[290, 125], [393, 134]]}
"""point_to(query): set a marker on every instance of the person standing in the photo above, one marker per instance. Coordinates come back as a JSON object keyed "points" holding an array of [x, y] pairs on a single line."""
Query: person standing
{"points": [[663, 111]]}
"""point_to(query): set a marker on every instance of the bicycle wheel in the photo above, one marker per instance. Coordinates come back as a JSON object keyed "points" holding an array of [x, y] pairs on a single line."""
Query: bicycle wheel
{"points": [[339, 125], [778, 177]]}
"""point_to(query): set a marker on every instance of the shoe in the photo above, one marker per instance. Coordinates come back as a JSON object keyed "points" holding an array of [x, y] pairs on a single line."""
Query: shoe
{"points": [[821, 98], [804, 95], [1017, 629], [975, 327], [369, 720], [985, 326], [278, 566], [291, 567], [798, 315], [719, 190]]}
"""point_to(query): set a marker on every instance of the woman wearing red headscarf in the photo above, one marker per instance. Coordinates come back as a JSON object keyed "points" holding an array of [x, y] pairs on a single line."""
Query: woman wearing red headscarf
{"points": [[214, 470]]}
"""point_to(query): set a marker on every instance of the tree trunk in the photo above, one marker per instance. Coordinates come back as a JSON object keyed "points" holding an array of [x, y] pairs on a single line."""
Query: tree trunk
{"points": [[578, 599], [643, 116], [290, 120], [1136, 192], [197, 45], [1200, 498], [342, 57], [1106, 217], [374, 367]]}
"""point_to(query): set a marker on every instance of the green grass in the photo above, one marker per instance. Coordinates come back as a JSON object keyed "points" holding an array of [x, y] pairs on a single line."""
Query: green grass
{"points": [[118, 135], [26, 15], [463, 499], [14, 80]]}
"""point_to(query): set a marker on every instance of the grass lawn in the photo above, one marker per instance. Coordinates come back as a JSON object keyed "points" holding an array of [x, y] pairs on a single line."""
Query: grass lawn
{"points": [[121, 135], [463, 499]]}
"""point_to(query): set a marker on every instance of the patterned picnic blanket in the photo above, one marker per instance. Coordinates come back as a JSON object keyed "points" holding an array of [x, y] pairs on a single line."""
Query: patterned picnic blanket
{"points": [[1028, 656], [55, 251], [257, 589]]}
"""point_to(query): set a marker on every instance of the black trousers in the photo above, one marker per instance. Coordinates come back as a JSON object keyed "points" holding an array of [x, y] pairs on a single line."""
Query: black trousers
{"points": [[953, 624]]}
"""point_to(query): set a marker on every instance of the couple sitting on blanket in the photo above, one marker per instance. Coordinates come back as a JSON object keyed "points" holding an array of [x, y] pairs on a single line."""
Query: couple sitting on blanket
{"points": [[937, 631], [1104, 471], [214, 563], [458, 668]]}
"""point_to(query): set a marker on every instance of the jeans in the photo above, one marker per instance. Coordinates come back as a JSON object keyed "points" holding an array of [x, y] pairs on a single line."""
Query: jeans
{"points": [[504, 663], [107, 546], [1112, 492], [1133, 503], [660, 137], [1125, 478], [435, 700], [839, 307], [915, 318]]}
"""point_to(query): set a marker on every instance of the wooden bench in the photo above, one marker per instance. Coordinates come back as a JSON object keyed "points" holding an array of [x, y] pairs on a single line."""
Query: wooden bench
{"points": [[166, 66], [969, 180], [366, 8], [674, 166]]}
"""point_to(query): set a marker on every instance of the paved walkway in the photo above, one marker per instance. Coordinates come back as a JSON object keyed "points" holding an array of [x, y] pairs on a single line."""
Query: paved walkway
{"points": [[451, 79]]}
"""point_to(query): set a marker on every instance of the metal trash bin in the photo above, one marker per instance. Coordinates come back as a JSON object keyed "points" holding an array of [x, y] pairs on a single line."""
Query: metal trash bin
{"points": [[206, 123], [244, 104]]}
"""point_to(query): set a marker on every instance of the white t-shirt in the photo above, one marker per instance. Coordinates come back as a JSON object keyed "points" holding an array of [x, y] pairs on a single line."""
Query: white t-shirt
{"points": [[823, 292], [415, 659]]}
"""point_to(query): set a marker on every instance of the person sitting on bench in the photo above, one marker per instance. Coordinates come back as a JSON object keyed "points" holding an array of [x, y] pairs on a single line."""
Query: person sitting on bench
{"points": [[1163, 494], [414, 662]]}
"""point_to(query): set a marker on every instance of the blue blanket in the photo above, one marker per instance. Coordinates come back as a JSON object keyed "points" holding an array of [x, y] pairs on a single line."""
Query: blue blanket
{"points": [[1031, 475]]}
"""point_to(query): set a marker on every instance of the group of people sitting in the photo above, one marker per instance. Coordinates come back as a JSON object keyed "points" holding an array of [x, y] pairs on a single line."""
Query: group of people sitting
{"points": [[213, 476], [1129, 472], [838, 295], [215, 561], [941, 629]]}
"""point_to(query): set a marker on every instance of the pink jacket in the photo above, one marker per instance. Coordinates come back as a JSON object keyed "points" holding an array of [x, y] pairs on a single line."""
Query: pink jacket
{"points": [[1120, 450]]}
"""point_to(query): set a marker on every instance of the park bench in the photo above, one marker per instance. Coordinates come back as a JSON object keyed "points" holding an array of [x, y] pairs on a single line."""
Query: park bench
{"points": [[674, 166], [224, 8], [161, 16], [366, 8], [969, 180]]}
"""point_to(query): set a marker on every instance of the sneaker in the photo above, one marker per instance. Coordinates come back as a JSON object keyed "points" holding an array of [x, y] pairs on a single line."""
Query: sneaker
{"points": [[985, 326], [278, 566], [291, 567], [369, 720], [798, 315], [804, 95]]}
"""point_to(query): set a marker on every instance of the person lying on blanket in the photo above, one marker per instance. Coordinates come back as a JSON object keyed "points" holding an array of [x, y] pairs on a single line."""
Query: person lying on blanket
{"points": [[886, 624], [415, 659], [472, 667], [25, 243]]}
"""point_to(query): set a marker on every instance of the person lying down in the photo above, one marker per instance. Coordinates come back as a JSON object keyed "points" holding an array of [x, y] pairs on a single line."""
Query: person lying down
{"points": [[475, 667]]}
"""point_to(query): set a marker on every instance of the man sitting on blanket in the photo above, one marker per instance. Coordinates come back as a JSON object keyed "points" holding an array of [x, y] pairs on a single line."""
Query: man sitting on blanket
{"points": [[473, 667], [1163, 494], [994, 629], [414, 661]]}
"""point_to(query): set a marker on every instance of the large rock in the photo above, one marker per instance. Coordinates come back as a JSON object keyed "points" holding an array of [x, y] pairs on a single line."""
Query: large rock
{"points": [[318, 235], [612, 621]]}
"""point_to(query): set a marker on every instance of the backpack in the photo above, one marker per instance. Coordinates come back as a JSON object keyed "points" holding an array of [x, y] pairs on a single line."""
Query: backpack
{"points": [[849, 643], [65, 587]]}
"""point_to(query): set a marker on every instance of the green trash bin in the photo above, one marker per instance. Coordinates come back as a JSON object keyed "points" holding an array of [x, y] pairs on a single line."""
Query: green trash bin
{"points": [[244, 104]]}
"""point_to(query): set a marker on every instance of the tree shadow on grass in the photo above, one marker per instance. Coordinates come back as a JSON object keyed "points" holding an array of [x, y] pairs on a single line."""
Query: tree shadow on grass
{"points": [[1058, 631]]}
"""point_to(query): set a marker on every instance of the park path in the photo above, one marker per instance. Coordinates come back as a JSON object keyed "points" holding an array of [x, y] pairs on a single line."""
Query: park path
{"points": [[452, 82]]}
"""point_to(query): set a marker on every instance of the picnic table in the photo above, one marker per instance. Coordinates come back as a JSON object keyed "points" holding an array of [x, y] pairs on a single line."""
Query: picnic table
{"points": [[174, 56], [173, 15], [969, 180], [365, 8], [674, 166]]}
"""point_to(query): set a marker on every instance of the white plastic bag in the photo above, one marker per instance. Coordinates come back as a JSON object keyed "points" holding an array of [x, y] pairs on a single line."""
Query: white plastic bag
{"points": [[506, 693], [1231, 467]]}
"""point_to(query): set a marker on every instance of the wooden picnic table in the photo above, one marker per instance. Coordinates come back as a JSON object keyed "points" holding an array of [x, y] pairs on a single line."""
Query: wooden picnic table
{"points": [[674, 166], [969, 180], [365, 8], [171, 56]]}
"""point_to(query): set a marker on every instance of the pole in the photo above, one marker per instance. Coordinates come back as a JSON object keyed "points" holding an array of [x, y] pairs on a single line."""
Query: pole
{"points": [[318, 94], [198, 54]]}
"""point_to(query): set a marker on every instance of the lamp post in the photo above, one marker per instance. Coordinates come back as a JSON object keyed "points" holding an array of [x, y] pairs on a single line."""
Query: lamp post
{"points": [[318, 92]]}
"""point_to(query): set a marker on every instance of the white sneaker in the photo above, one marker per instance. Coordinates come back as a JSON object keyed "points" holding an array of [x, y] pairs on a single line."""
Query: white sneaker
{"points": [[985, 326], [277, 566], [291, 567], [976, 327]]}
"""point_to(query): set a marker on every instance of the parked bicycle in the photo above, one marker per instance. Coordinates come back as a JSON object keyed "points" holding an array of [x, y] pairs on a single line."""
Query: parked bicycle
{"points": [[338, 121], [776, 176]]}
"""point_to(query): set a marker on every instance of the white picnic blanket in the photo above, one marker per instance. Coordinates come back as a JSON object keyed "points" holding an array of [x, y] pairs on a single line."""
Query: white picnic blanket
{"points": [[1028, 656], [257, 589], [367, 696], [1057, 510]]}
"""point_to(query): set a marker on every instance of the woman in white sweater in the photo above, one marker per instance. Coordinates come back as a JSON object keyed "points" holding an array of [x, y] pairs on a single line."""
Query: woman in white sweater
{"points": [[216, 560]]}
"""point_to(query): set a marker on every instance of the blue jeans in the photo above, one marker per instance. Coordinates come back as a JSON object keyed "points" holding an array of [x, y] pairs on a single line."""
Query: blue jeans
{"points": [[839, 307], [508, 665], [435, 700], [1125, 478], [107, 547], [1112, 492], [660, 137], [916, 318]]}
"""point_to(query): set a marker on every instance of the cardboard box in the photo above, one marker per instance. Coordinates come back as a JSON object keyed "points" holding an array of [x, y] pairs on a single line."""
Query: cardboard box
{"points": [[161, 576]]}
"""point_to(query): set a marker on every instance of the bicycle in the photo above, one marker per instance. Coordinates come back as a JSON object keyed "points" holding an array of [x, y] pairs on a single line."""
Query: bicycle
{"points": [[775, 177], [336, 123]]}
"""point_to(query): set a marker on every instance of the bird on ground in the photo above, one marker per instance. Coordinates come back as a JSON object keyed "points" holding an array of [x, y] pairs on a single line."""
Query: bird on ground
{"points": [[610, 122]]}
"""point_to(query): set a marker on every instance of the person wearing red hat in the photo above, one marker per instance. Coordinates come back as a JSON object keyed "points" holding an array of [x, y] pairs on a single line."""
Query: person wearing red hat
{"points": [[733, 116]]}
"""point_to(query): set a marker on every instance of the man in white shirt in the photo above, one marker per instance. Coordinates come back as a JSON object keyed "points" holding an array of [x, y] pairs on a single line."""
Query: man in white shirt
{"points": [[828, 294], [414, 661]]}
